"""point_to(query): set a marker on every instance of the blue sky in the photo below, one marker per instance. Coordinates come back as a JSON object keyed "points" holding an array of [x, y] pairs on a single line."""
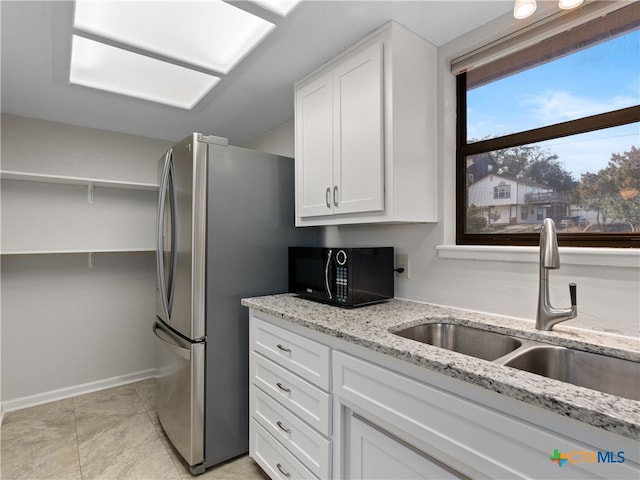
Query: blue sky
{"points": [[601, 78]]}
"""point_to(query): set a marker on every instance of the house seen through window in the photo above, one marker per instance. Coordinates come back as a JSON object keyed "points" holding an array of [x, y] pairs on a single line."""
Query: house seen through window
{"points": [[554, 131]]}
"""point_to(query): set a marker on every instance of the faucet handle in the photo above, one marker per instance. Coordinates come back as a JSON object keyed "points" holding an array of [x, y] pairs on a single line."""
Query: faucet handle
{"points": [[573, 292]]}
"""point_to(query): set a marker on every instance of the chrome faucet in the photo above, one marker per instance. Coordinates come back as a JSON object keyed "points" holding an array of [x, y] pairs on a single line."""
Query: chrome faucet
{"points": [[548, 316]]}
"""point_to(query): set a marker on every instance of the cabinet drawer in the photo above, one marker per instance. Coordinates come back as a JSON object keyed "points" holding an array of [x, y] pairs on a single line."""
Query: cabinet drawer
{"points": [[467, 436], [305, 400], [302, 356], [273, 457], [303, 441]]}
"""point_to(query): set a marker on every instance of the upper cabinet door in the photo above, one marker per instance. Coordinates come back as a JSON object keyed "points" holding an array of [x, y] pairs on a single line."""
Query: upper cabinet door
{"points": [[366, 134], [314, 147], [358, 160]]}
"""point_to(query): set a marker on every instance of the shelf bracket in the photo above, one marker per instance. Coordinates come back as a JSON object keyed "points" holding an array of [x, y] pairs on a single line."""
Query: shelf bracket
{"points": [[90, 260], [90, 193]]}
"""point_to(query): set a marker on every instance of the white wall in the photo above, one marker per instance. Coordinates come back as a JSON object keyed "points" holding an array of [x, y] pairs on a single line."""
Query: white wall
{"points": [[279, 141], [32, 145], [67, 328], [501, 281]]}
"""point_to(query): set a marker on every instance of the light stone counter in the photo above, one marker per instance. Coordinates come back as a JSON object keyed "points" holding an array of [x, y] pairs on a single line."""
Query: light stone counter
{"points": [[371, 327]]}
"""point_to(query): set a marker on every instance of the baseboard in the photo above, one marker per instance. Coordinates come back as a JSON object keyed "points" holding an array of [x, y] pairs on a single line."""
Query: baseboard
{"points": [[53, 395]]}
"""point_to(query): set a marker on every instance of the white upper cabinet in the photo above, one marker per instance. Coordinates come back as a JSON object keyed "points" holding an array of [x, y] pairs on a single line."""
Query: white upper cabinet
{"points": [[314, 142], [340, 119], [365, 134], [358, 160]]}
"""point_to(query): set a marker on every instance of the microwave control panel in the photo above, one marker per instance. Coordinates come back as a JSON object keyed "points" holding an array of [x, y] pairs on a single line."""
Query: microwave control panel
{"points": [[341, 284], [341, 277]]}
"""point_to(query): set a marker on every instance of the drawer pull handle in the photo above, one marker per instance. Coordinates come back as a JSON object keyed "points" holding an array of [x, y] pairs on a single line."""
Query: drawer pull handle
{"points": [[283, 471], [282, 427], [283, 388], [284, 349]]}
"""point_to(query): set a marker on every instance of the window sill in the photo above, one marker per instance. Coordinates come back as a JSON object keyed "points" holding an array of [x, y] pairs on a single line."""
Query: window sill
{"points": [[606, 257]]}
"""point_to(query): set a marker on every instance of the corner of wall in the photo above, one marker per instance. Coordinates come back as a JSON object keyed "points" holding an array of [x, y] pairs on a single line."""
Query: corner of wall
{"points": [[278, 141]]}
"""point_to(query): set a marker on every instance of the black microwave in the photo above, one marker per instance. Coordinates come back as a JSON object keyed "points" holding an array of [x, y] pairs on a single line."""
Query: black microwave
{"points": [[345, 277]]}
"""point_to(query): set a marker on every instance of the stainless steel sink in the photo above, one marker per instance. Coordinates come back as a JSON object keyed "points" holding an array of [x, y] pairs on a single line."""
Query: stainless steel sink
{"points": [[468, 340], [598, 372]]}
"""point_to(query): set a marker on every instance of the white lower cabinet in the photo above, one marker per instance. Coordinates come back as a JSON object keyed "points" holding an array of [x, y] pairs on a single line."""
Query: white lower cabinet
{"points": [[436, 429], [375, 454], [274, 459], [297, 395], [297, 436], [320, 410], [290, 402]]}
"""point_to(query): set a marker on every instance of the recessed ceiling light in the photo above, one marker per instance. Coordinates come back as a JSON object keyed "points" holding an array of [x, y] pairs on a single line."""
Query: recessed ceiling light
{"points": [[524, 8], [569, 4], [101, 66], [211, 34], [281, 7]]}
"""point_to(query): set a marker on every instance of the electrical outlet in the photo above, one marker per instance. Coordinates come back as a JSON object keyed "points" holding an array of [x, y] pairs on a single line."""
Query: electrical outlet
{"points": [[402, 261]]}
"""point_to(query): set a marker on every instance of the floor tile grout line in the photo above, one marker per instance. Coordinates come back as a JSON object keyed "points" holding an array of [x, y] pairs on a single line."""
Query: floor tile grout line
{"points": [[119, 415], [155, 428], [58, 418], [143, 392], [75, 423], [166, 445]]}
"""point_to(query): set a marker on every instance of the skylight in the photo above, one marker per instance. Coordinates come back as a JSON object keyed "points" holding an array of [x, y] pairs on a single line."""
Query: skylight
{"points": [[281, 7], [101, 66], [127, 46], [210, 34]]}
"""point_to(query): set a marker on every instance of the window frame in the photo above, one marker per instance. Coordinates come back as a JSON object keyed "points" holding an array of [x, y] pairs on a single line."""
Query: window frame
{"points": [[591, 123], [502, 191]]}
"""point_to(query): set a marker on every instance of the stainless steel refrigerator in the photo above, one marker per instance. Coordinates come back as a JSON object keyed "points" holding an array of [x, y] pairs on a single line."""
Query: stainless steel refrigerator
{"points": [[225, 220]]}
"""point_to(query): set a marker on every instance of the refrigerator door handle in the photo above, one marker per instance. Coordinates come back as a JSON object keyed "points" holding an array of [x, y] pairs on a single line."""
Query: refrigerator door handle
{"points": [[164, 187], [164, 339], [174, 253]]}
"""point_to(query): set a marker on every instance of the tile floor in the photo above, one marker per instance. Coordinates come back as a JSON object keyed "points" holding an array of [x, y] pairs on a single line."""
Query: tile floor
{"points": [[110, 434]]}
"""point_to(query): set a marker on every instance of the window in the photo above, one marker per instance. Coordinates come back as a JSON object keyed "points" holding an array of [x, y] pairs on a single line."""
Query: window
{"points": [[553, 130], [502, 191]]}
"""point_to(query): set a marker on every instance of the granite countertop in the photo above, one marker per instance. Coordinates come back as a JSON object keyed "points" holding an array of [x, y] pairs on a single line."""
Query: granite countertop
{"points": [[371, 327]]}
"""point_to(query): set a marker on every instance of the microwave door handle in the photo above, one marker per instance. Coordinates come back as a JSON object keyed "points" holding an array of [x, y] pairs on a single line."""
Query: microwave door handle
{"points": [[164, 183], [326, 275]]}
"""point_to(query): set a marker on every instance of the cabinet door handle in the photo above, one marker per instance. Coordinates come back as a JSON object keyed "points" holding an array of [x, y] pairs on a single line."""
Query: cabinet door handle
{"points": [[284, 349], [283, 471], [335, 195], [282, 427], [326, 197], [283, 388]]}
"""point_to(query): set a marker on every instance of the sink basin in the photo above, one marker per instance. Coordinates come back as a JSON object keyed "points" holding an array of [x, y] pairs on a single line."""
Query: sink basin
{"points": [[590, 370], [598, 372], [468, 340]]}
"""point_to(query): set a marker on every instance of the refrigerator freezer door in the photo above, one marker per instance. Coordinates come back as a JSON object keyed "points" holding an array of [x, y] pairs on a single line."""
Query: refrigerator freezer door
{"points": [[180, 393]]}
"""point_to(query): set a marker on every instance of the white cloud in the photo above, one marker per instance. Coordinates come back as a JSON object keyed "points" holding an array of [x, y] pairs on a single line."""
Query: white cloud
{"points": [[590, 152], [554, 106]]}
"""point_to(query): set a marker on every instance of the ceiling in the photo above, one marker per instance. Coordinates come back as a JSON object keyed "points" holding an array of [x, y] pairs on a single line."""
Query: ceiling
{"points": [[253, 99]]}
